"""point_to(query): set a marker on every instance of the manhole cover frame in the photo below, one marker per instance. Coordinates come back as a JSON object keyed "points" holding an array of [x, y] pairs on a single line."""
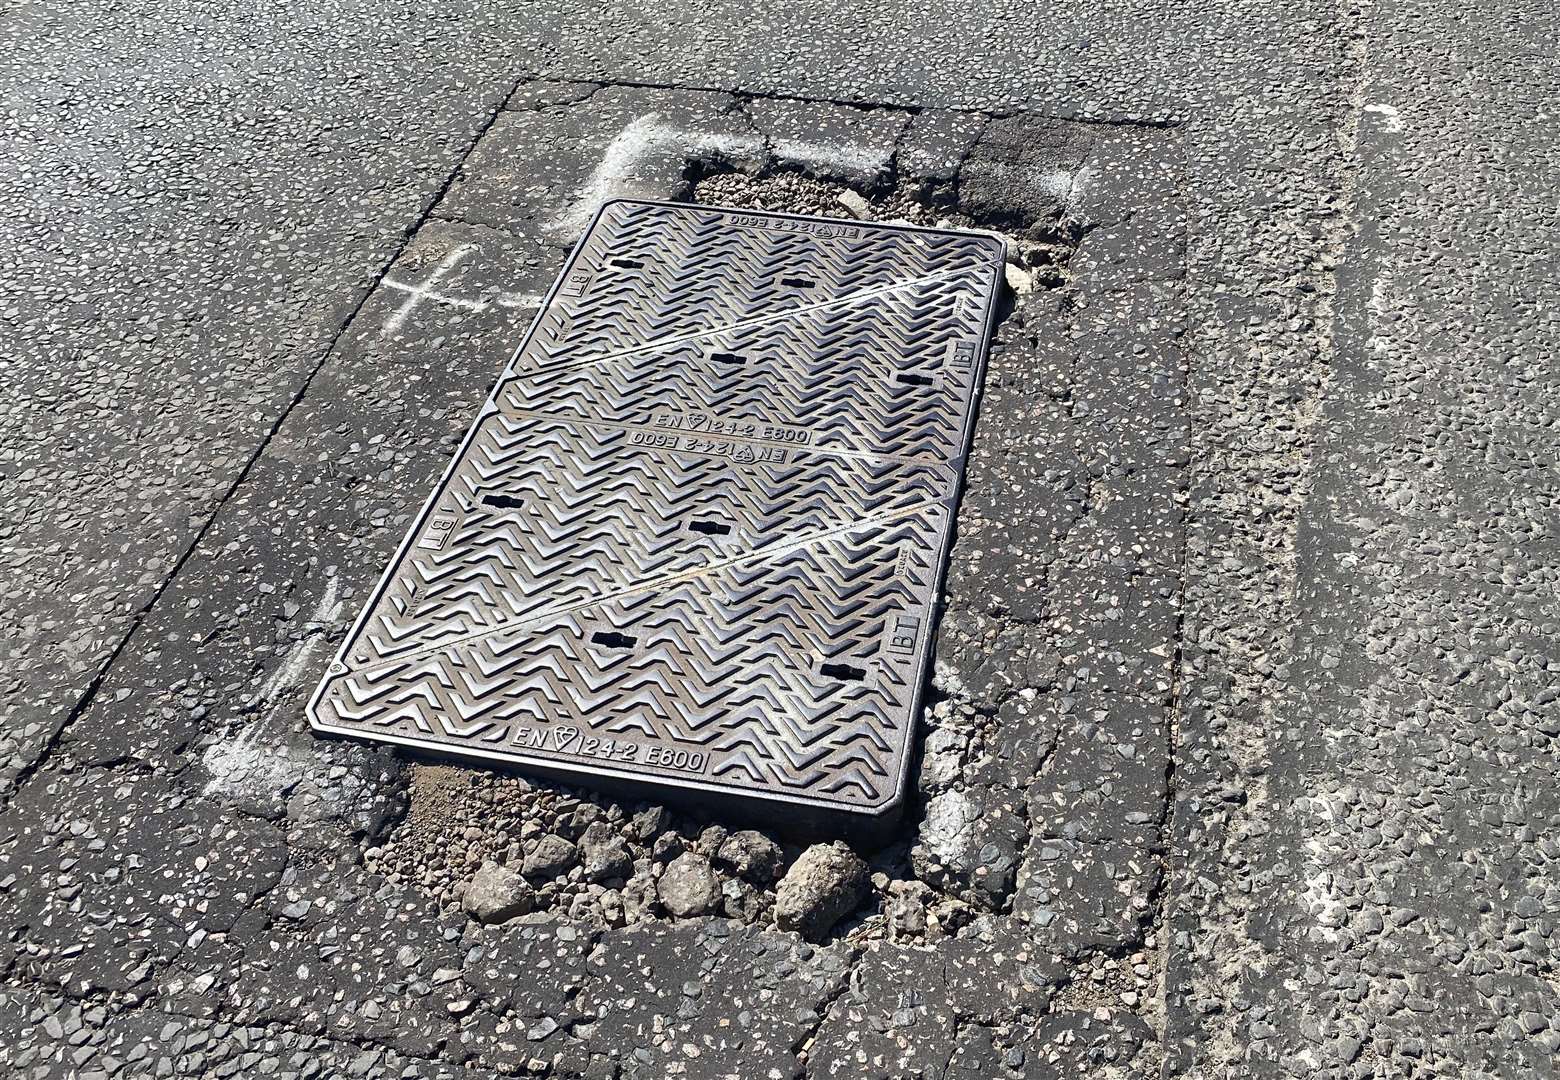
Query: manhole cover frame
{"points": [[640, 781]]}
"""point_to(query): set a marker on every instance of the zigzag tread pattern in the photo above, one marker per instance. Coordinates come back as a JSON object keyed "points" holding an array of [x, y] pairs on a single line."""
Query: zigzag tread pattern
{"points": [[750, 698], [695, 536], [550, 512], [657, 272], [885, 376]]}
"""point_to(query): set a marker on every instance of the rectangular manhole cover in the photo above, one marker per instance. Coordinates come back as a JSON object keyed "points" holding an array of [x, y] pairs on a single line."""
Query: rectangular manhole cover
{"points": [[695, 537]]}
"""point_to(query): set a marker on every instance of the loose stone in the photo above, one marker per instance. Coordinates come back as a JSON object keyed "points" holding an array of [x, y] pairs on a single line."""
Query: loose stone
{"points": [[824, 884], [496, 894], [552, 857], [688, 887]]}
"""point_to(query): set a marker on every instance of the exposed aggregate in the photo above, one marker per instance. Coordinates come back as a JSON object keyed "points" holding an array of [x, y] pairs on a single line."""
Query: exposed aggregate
{"points": [[1362, 741], [464, 917]]}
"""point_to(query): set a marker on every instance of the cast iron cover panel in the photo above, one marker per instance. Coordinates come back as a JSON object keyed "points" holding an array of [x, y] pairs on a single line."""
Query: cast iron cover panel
{"points": [[696, 535]]}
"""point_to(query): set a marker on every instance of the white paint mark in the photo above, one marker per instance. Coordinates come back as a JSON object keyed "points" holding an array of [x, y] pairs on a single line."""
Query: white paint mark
{"points": [[1380, 305], [520, 300], [292, 665], [416, 294], [621, 171], [1321, 898], [1076, 185], [249, 766], [947, 828], [1062, 184], [1391, 119], [252, 765], [1327, 816], [1057, 183], [845, 157], [503, 300], [420, 293], [1380, 298]]}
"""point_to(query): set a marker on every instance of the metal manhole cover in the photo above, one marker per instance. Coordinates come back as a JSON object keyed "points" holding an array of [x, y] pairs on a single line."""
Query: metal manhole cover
{"points": [[696, 535]]}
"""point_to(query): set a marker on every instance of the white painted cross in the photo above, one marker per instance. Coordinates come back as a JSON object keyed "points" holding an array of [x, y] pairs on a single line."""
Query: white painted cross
{"points": [[416, 294]]}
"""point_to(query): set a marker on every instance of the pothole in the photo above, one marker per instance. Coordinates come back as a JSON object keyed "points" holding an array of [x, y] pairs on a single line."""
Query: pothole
{"points": [[1038, 258], [561, 851]]}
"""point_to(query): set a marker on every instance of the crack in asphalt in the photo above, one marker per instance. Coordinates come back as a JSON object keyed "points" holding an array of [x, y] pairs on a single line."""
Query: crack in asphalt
{"points": [[90, 694], [829, 1002]]}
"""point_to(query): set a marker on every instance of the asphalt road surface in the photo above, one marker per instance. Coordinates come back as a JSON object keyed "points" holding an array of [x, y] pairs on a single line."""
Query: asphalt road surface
{"points": [[1243, 755]]}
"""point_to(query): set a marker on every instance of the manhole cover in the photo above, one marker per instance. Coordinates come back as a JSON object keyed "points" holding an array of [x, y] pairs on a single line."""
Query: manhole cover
{"points": [[695, 537]]}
